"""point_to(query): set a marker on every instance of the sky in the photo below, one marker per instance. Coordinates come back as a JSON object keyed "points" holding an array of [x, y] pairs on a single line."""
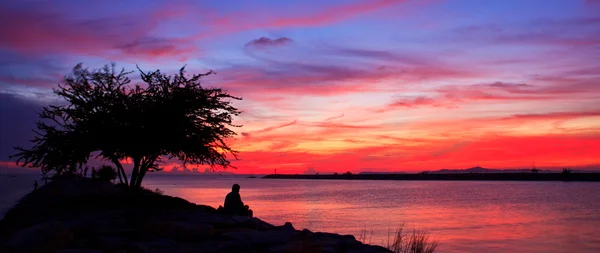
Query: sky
{"points": [[335, 86]]}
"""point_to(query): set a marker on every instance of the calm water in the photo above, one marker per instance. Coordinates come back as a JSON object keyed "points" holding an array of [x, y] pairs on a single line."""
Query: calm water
{"points": [[468, 216]]}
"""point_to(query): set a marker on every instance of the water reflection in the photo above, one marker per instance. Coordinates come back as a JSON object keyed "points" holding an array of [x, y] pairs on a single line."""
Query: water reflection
{"points": [[464, 216]]}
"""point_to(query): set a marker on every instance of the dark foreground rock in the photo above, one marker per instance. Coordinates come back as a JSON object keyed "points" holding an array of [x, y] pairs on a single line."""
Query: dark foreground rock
{"points": [[85, 216]]}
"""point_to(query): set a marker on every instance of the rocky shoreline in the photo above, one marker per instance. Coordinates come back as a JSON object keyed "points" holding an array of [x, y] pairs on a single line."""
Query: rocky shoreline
{"points": [[77, 215]]}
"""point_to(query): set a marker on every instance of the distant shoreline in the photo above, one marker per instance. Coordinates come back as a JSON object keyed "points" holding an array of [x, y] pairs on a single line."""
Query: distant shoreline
{"points": [[582, 177]]}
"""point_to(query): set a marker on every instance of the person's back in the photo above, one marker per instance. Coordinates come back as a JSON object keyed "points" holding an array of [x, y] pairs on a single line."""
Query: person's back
{"points": [[233, 203]]}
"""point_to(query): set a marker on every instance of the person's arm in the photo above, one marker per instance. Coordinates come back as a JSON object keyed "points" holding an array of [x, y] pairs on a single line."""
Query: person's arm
{"points": [[239, 200]]}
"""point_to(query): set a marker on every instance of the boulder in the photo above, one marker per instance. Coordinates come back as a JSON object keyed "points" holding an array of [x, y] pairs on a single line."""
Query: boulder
{"points": [[369, 249], [79, 251], [181, 231], [44, 237], [261, 238], [288, 226], [158, 245], [217, 246], [111, 243], [301, 245]]}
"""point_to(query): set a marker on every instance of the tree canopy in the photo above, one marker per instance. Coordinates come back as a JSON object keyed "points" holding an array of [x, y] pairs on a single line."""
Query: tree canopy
{"points": [[163, 117]]}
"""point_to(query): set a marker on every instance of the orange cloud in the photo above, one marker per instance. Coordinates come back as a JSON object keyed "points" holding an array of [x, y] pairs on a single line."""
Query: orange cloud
{"points": [[493, 151]]}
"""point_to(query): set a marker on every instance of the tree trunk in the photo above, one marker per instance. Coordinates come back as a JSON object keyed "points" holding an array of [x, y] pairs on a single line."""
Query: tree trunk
{"points": [[135, 172], [119, 175], [145, 165], [121, 171], [143, 171]]}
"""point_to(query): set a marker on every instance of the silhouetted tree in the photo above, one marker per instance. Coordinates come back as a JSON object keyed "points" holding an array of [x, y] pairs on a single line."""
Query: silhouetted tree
{"points": [[106, 173], [171, 117], [535, 170], [57, 147]]}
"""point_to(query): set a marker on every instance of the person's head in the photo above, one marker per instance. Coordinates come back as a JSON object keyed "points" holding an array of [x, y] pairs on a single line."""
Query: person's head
{"points": [[235, 188]]}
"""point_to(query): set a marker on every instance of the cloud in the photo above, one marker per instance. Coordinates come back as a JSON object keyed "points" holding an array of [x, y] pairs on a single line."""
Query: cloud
{"points": [[320, 75], [385, 57], [414, 102], [342, 126], [335, 117], [323, 16], [568, 32], [452, 96], [296, 16], [46, 30], [554, 115], [264, 42], [299, 78], [268, 129], [449, 96], [153, 47], [458, 93]]}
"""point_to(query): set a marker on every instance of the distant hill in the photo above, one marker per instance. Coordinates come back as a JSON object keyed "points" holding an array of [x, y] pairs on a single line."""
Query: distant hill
{"points": [[482, 170], [379, 173]]}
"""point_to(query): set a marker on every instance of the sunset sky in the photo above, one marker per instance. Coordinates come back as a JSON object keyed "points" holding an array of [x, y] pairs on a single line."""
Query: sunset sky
{"points": [[335, 86]]}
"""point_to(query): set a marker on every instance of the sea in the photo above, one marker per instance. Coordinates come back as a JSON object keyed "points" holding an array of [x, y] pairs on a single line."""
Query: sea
{"points": [[464, 216]]}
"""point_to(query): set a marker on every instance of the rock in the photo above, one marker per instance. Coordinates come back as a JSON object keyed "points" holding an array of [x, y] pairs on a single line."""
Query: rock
{"points": [[137, 248], [217, 246], [248, 222], [328, 250], [44, 237], [241, 219], [217, 221], [261, 225], [111, 243], [301, 245], [369, 249], [272, 237], [261, 238], [288, 226], [182, 231], [79, 251], [84, 225], [162, 245], [158, 245]]}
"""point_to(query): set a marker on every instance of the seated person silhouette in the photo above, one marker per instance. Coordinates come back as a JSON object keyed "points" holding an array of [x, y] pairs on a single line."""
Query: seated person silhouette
{"points": [[234, 205]]}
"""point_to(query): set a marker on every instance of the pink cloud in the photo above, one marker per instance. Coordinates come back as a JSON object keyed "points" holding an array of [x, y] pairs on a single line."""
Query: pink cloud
{"points": [[332, 14], [418, 101], [38, 31], [323, 16], [278, 77], [331, 125], [334, 117], [554, 115], [268, 129]]}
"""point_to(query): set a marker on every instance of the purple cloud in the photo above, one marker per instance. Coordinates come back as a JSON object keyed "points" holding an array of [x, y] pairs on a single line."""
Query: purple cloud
{"points": [[264, 42]]}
